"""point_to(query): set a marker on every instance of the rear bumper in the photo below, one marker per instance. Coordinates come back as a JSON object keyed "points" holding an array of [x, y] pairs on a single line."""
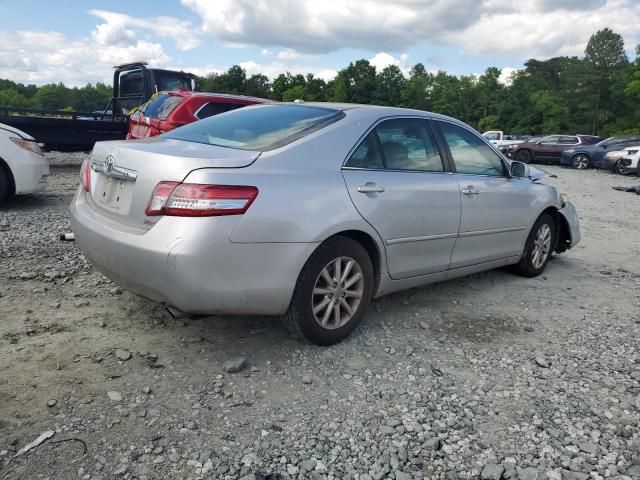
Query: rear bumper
{"points": [[190, 263], [30, 171], [570, 215]]}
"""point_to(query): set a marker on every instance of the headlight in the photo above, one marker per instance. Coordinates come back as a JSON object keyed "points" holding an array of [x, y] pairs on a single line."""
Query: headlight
{"points": [[30, 145]]}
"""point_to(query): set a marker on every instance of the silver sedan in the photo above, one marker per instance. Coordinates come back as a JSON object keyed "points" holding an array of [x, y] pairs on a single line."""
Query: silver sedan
{"points": [[309, 211]]}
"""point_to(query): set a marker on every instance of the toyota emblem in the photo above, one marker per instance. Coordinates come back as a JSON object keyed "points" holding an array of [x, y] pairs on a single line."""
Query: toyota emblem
{"points": [[109, 163]]}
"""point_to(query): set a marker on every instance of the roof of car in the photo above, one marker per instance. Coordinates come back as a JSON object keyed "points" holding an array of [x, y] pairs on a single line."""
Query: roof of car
{"points": [[229, 96], [380, 108]]}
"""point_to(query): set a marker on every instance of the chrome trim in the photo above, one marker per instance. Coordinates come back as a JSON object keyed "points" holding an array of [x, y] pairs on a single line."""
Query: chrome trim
{"points": [[110, 169], [493, 230], [392, 170], [395, 241], [195, 114]]}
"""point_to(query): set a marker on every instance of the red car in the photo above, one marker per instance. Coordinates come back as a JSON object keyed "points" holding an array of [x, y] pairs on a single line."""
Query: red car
{"points": [[169, 110]]}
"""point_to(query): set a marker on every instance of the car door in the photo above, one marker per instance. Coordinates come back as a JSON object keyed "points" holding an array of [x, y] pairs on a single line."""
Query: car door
{"points": [[548, 148], [397, 180], [495, 207]]}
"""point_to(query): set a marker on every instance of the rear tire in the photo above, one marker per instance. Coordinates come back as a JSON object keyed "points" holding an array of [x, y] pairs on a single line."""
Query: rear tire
{"points": [[539, 247], [5, 185], [580, 161], [524, 156], [332, 293]]}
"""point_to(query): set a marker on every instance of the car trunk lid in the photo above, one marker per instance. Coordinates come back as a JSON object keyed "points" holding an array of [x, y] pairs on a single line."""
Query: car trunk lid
{"points": [[124, 173]]}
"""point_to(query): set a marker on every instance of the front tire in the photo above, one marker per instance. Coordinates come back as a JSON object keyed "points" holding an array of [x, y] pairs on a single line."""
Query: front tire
{"points": [[524, 156], [332, 293], [5, 186], [580, 161], [539, 247], [619, 168]]}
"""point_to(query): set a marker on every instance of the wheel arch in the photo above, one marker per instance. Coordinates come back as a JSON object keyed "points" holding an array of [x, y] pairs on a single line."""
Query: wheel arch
{"points": [[563, 231], [370, 245], [4, 167]]}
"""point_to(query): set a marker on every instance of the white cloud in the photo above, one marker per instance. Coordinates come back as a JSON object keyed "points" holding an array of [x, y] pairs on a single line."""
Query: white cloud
{"points": [[525, 28], [273, 69], [505, 75], [44, 57], [382, 59], [117, 29]]}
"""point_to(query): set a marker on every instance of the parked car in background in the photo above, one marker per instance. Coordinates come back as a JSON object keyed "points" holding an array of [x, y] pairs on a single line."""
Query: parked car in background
{"points": [[169, 110], [603, 154], [23, 167], [629, 161], [508, 151], [549, 149], [502, 140], [309, 210]]}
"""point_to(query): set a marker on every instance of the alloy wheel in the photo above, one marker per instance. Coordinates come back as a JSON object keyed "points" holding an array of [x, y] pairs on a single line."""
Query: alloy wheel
{"points": [[337, 293], [581, 162], [541, 246]]}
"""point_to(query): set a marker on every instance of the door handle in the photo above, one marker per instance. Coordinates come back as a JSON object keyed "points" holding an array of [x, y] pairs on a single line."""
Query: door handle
{"points": [[470, 190], [370, 187]]}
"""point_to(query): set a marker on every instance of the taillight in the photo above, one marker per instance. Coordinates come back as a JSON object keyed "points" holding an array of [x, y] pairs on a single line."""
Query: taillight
{"points": [[195, 200], [85, 174], [30, 145]]}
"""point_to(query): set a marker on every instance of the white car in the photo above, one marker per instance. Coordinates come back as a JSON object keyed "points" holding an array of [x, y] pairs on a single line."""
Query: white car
{"points": [[23, 167], [629, 161]]}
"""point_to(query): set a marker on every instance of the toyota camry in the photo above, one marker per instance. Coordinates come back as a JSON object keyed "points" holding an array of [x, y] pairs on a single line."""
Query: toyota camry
{"points": [[310, 210]]}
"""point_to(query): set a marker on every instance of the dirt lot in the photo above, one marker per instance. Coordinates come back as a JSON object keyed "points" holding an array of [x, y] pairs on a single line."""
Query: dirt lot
{"points": [[492, 376]]}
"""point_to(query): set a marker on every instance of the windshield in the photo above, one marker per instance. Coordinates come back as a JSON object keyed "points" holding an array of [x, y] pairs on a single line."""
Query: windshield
{"points": [[258, 128], [171, 81]]}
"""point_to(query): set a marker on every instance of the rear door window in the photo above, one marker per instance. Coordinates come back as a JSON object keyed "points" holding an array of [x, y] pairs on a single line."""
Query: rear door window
{"points": [[259, 128], [367, 155], [214, 108], [569, 140], [407, 145], [161, 106]]}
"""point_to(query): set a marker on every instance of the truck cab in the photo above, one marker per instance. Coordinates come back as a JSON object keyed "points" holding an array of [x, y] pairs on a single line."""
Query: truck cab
{"points": [[134, 84]]}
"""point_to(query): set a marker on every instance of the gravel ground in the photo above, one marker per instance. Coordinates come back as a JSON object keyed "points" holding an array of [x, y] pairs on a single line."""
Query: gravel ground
{"points": [[491, 376]]}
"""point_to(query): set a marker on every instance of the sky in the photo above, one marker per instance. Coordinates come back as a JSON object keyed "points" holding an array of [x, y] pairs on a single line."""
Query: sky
{"points": [[79, 41]]}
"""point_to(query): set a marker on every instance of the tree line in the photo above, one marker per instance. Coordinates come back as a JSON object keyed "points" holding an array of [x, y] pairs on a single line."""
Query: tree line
{"points": [[598, 93]]}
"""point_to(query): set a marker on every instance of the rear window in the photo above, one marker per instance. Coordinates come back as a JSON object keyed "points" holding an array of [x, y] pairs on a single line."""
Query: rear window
{"points": [[258, 128], [161, 106]]}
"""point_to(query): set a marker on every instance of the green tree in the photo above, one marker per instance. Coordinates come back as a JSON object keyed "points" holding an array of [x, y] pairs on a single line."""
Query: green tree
{"points": [[52, 97], [13, 98], [339, 89], [416, 92], [258, 86], [389, 85], [294, 93], [604, 54], [360, 79]]}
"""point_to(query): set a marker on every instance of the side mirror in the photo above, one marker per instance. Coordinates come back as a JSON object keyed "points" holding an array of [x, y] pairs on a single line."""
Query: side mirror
{"points": [[519, 170]]}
